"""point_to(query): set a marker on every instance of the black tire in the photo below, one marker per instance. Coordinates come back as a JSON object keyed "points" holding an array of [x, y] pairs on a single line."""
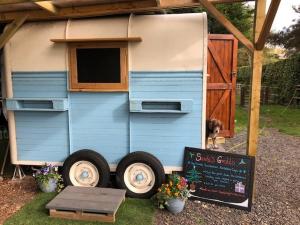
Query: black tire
{"points": [[91, 156], [149, 160]]}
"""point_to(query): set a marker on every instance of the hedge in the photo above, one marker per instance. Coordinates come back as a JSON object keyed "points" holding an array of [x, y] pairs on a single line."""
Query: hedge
{"points": [[282, 75]]}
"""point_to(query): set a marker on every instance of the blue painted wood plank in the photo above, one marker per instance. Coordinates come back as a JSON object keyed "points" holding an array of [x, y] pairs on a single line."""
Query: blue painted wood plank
{"points": [[166, 135], [39, 84], [41, 136], [40, 156], [100, 122]]}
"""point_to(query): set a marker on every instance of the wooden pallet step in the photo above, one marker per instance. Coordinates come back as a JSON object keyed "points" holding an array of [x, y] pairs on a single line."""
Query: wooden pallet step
{"points": [[87, 203], [219, 140], [79, 215]]}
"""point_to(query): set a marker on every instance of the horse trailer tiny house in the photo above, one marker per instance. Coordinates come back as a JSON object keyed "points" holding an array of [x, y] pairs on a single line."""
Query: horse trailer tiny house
{"points": [[103, 95]]}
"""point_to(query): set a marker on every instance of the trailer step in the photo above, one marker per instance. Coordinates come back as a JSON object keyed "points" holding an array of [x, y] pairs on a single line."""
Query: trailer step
{"points": [[78, 215], [87, 203]]}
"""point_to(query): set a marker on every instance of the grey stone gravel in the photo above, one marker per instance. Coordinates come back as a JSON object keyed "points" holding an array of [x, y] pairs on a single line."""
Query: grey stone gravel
{"points": [[277, 195]]}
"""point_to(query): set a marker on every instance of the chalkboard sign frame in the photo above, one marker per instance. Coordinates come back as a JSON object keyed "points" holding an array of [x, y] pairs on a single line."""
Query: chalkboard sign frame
{"points": [[250, 176]]}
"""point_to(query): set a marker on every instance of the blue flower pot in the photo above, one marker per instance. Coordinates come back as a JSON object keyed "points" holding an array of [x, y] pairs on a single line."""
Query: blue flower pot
{"points": [[50, 186], [175, 205]]}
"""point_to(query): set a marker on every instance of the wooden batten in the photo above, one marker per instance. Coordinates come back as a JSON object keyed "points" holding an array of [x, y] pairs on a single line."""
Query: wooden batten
{"points": [[72, 40], [169, 2], [259, 45], [111, 8], [11, 30], [108, 8], [227, 24], [7, 2]]}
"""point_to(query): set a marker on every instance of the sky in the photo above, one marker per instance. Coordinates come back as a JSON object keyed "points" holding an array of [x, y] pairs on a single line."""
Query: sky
{"points": [[285, 14]]}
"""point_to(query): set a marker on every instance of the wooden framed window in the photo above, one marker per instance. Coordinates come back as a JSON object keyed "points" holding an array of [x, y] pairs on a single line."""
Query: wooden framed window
{"points": [[98, 66]]}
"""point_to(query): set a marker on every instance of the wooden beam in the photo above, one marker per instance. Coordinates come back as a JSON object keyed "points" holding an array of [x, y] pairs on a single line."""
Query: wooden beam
{"points": [[11, 29], [253, 122], [181, 2], [47, 5], [259, 45], [113, 8], [8, 2], [110, 8], [227, 24], [192, 3], [228, 1]]}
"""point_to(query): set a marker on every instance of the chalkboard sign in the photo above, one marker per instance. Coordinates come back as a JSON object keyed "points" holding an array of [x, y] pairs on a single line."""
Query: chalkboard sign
{"points": [[220, 177]]}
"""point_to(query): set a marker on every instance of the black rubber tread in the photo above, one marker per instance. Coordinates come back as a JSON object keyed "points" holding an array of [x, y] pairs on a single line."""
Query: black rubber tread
{"points": [[140, 157], [91, 156]]}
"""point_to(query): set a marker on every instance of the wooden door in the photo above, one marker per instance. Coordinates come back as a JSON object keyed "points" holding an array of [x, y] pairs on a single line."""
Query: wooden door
{"points": [[221, 82]]}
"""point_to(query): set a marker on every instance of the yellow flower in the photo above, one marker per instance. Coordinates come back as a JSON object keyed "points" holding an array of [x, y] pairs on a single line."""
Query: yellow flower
{"points": [[168, 192], [176, 194], [171, 183]]}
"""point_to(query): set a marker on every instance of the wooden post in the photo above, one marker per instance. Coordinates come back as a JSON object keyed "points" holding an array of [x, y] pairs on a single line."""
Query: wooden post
{"points": [[267, 95], [257, 60], [242, 99], [261, 40], [253, 123]]}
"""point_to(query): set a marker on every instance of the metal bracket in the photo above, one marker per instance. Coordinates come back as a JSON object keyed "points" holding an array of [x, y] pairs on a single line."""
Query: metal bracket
{"points": [[18, 173]]}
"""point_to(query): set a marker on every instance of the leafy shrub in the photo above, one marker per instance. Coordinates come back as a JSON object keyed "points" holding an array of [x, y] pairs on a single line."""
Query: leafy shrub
{"points": [[282, 75]]}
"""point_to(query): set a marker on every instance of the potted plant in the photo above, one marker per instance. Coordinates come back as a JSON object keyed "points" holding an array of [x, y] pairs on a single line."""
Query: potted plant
{"points": [[48, 178], [173, 194]]}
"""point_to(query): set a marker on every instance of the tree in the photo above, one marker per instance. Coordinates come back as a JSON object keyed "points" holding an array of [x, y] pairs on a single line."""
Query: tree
{"points": [[240, 14], [288, 37]]}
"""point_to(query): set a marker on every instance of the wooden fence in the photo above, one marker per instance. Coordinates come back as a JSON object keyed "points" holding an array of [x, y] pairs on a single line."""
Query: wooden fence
{"points": [[268, 95]]}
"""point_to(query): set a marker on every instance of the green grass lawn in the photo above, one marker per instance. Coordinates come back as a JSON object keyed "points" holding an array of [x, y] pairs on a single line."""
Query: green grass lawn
{"points": [[275, 116], [132, 212]]}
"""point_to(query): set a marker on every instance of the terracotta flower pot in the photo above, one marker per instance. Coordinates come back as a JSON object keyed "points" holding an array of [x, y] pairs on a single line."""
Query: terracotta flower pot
{"points": [[175, 205], [50, 186]]}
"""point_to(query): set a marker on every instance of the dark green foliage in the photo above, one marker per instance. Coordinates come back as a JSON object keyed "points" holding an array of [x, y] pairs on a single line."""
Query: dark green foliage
{"points": [[284, 75], [240, 14]]}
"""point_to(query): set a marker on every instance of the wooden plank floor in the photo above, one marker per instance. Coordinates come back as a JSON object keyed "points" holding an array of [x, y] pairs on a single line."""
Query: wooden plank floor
{"points": [[87, 203]]}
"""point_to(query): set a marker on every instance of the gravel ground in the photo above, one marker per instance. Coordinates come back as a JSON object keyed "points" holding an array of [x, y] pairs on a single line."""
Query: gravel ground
{"points": [[277, 196], [15, 194]]}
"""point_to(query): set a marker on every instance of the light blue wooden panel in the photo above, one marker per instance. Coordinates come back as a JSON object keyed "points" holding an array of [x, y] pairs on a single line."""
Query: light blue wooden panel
{"points": [[161, 134], [39, 84], [41, 136], [100, 122]]}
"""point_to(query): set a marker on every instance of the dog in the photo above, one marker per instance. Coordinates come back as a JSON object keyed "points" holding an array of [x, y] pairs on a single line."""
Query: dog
{"points": [[213, 128]]}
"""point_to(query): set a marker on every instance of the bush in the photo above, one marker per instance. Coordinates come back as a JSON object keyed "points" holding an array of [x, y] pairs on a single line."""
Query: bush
{"points": [[282, 75]]}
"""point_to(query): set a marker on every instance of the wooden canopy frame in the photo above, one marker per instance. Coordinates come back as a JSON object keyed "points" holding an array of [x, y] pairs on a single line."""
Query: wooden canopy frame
{"points": [[47, 10]]}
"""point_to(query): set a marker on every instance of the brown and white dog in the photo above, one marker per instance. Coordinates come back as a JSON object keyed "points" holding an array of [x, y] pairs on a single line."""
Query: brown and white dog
{"points": [[213, 128]]}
